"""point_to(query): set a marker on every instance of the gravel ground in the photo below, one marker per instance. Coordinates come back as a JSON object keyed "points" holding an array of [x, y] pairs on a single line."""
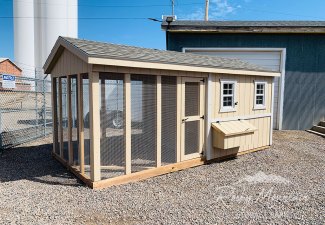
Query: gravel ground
{"points": [[284, 184]]}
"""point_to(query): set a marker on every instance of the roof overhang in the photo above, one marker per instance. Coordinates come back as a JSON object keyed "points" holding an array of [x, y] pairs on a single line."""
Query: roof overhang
{"points": [[298, 27], [162, 66], [62, 44], [270, 30]]}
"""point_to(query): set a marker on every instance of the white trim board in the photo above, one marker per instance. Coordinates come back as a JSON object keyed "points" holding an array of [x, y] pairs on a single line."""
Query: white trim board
{"points": [[272, 107], [248, 117], [163, 66], [282, 52]]}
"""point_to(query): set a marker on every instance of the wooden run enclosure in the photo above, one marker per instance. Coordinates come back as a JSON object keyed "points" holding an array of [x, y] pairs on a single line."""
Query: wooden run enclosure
{"points": [[123, 113]]}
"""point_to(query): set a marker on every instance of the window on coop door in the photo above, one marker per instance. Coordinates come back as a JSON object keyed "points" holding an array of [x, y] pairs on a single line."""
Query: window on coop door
{"points": [[227, 95], [260, 90]]}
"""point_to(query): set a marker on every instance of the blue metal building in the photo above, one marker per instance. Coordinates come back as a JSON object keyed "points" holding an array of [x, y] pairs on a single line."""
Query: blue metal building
{"points": [[295, 48]]}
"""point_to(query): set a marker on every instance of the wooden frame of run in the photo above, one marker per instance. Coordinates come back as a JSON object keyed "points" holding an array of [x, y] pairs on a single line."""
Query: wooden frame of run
{"points": [[81, 149], [69, 105], [127, 123], [54, 113], [94, 180]]}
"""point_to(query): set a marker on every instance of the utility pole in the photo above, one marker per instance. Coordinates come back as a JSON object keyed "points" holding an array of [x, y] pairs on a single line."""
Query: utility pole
{"points": [[206, 10], [173, 6]]}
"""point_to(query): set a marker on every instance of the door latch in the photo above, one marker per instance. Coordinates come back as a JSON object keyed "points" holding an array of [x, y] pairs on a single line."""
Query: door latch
{"points": [[202, 117], [183, 120]]}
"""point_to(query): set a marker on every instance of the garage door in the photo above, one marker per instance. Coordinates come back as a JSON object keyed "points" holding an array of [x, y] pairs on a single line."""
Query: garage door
{"points": [[266, 59]]}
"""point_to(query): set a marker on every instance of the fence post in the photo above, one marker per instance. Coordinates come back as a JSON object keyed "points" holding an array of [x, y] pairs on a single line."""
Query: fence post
{"points": [[44, 107], [0, 129], [36, 108]]}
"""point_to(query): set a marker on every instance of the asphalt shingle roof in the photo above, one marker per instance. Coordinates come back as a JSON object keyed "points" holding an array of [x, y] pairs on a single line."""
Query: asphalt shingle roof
{"points": [[294, 27], [246, 23], [131, 53]]}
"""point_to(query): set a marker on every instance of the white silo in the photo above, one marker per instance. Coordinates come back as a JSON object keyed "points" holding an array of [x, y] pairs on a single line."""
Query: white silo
{"points": [[61, 20], [24, 34], [44, 21]]}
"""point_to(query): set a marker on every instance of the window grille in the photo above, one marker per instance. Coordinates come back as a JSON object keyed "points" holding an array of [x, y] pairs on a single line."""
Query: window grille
{"points": [[228, 95], [260, 89]]}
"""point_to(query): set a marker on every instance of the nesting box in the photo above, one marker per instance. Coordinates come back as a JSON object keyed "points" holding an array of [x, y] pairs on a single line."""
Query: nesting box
{"points": [[231, 134]]}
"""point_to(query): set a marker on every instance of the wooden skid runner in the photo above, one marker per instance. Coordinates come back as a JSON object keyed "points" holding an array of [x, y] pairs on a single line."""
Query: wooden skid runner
{"points": [[142, 175], [148, 173], [133, 177]]}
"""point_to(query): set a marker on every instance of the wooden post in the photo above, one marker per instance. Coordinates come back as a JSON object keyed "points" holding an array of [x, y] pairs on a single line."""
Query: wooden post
{"points": [[179, 118], [209, 112], [81, 148], [127, 122], [54, 114], [94, 121], [70, 146], [158, 138], [202, 114], [103, 108], [60, 118]]}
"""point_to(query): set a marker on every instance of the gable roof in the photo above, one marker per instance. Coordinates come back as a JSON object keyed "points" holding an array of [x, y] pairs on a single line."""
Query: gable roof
{"points": [[7, 59], [246, 26], [103, 53], [3, 59]]}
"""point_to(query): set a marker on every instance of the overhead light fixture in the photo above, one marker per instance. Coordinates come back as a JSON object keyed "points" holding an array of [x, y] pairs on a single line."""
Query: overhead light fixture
{"points": [[169, 18]]}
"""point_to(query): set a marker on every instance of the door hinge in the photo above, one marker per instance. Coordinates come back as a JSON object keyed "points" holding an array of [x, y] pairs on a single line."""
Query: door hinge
{"points": [[202, 80]]}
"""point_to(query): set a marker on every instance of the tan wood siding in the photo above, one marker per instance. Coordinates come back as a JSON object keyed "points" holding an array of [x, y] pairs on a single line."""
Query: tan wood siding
{"points": [[69, 64], [244, 95]]}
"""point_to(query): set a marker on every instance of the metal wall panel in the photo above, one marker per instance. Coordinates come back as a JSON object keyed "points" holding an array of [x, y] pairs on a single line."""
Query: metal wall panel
{"points": [[305, 68]]}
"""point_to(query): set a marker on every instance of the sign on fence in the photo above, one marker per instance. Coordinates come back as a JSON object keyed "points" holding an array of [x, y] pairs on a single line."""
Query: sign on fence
{"points": [[8, 81]]}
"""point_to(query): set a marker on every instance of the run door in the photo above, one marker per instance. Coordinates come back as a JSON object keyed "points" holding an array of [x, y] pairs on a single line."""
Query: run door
{"points": [[192, 115]]}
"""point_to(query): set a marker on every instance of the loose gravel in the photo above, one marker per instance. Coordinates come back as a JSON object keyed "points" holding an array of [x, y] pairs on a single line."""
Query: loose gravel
{"points": [[284, 184]]}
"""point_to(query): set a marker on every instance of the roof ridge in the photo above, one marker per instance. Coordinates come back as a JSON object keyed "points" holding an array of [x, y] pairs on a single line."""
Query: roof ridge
{"points": [[110, 43]]}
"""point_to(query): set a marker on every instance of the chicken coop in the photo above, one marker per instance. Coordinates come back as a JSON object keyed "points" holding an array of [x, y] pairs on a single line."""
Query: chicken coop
{"points": [[123, 113]]}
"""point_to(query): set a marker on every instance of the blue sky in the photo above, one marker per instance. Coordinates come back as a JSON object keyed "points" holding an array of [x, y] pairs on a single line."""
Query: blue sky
{"points": [[134, 29]]}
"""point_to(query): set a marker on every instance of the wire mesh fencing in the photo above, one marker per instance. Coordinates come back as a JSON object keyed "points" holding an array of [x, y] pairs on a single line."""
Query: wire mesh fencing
{"points": [[138, 137], [112, 125], [25, 111]]}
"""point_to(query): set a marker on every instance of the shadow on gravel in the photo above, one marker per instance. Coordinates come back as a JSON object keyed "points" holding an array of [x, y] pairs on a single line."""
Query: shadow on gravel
{"points": [[34, 163]]}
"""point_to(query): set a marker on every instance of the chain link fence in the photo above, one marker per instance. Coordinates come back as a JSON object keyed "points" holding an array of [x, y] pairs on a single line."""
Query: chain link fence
{"points": [[25, 111]]}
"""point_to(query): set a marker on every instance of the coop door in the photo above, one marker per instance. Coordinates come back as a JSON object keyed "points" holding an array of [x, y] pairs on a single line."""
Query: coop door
{"points": [[192, 126]]}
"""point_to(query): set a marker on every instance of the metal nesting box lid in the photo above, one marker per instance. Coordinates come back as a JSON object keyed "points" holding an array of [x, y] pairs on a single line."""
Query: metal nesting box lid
{"points": [[231, 128]]}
